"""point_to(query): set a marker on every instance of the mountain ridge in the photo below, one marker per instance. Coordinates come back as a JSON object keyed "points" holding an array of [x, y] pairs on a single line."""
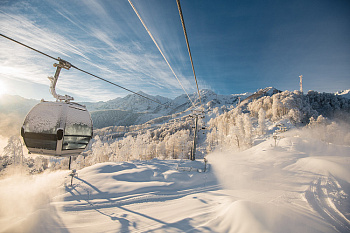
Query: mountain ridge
{"points": [[136, 103], [134, 109]]}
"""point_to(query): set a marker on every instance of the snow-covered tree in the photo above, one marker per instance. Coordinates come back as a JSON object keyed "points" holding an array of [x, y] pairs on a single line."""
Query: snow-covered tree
{"points": [[294, 115], [14, 150], [161, 150], [262, 121], [248, 130], [276, 107], [100, 151]]}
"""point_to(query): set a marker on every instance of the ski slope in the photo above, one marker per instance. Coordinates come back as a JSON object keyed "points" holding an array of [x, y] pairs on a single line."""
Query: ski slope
{"points": [[301, 185]]}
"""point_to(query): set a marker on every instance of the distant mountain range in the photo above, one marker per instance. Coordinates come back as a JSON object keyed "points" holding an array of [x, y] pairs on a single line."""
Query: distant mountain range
{"points": [[132, 109], [136, 103], [130, 102], [129, 110]]}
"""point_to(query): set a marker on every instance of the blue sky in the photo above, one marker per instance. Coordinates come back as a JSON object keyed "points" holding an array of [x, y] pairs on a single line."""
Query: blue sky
{"points": [[237, 46]]}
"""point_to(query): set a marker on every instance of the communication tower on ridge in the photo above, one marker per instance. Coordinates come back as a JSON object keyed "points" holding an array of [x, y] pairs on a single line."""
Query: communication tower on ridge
{"points": [[301, 83]]}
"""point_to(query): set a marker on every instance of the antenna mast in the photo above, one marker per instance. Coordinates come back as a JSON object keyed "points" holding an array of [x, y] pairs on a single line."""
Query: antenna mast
{"points": [[301, 83]]}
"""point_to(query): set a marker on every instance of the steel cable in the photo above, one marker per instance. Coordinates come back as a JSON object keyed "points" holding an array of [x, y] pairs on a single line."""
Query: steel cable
{"points": [[155, 42], [86, 72], [188, 46]]}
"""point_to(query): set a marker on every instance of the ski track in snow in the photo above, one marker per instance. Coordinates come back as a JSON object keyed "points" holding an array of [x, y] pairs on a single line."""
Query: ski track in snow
{"points": [[319, 198]]}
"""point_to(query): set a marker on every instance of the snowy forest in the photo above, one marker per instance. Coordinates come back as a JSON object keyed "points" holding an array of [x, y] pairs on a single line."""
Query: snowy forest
{"points": [[236, 127]]}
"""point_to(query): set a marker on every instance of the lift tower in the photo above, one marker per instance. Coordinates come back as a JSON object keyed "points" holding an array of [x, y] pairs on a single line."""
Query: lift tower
{"points": [[196, 114]]}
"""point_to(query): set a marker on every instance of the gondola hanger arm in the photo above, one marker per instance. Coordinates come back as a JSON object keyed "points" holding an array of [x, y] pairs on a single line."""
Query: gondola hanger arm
{"points": [[62, 64]]}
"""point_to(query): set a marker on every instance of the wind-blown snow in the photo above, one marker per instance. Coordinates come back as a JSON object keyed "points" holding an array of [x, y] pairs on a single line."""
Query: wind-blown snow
{"points": [[3, 142], [25, 202], [301, 185]]}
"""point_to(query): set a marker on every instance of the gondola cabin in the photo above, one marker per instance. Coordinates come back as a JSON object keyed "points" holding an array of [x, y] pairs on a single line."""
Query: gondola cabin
{"points": [[57, 128]]}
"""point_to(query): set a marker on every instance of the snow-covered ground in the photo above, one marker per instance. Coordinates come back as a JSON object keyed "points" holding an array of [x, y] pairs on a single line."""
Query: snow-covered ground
{"points": [[301, 185]]}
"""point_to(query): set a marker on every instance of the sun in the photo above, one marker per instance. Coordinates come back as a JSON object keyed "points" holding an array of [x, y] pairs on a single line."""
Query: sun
{"points": [[3, 88]]}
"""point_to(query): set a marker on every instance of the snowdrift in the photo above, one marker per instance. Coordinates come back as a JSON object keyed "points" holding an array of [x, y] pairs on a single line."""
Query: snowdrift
{"points": [[301, 185], [244, 216]]}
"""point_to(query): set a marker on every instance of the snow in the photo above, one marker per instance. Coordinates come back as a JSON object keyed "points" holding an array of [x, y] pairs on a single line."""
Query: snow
{"points": [[3, 143], [301, 185], [143, 110], [296, 183], [44, 117], [47, 116], [77, 115], [344, 93], [25, 203]]}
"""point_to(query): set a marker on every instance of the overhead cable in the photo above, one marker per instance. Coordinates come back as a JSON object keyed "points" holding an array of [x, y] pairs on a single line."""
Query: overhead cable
{"points": [[188, 46], [29, 47], [155, 42], [73, 66], [105, 80]]}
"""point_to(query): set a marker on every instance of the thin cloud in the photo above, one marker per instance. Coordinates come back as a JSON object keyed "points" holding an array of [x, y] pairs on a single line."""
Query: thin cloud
{"points": [[123, 56]]}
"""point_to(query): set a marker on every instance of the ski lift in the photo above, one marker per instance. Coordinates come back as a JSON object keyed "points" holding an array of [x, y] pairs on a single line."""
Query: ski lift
{"points": [[60, 128]]}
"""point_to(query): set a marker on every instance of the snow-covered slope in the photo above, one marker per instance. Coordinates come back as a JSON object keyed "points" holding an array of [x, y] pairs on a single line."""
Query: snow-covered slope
{"points": [[13, 109], [268, 91], [131, 102], [302, 185], [139, 109], [344, 93], [150, 110], [105, 118]]}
